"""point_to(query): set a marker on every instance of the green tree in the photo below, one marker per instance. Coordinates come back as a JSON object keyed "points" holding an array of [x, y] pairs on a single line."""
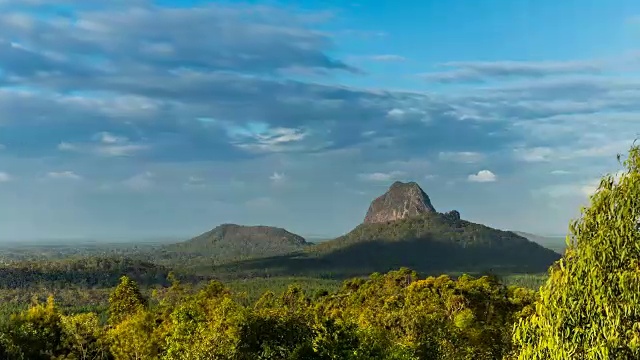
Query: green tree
{"points": [[133, 337], [590, 306], [125, 300], [35, 333], [83, 337], [204, 326]]}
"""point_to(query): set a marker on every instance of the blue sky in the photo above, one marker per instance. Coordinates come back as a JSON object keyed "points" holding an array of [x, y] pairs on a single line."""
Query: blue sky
{"points": [[140, 118]]}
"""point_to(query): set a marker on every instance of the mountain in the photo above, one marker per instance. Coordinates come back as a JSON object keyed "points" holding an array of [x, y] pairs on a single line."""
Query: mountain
{"points": [[402, 229], [401, 201], [232, 242]]}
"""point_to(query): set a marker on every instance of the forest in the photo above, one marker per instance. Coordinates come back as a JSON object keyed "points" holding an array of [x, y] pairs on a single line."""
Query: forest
{"points": [[587, 307]]}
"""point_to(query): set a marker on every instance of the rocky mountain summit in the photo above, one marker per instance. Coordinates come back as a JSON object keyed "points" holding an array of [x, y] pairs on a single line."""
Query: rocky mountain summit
{"points": [[401, 201]]}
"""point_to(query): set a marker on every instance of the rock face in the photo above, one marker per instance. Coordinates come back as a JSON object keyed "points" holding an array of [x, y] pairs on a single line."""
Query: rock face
{"points": [[453, 215], [401, 201]]}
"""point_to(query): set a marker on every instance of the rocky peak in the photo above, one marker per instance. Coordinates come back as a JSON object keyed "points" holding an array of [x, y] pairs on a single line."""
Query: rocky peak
{"points": [[401, 201], [453, 215]]}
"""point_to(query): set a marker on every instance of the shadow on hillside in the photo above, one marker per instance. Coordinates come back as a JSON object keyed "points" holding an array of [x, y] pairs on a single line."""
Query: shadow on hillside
{"points": [[427, 257]]}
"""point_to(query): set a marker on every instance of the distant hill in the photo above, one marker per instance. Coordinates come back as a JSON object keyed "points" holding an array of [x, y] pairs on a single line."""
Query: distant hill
{"points": [[402, 228], [229, 242], [555, 243], [83, 272]]}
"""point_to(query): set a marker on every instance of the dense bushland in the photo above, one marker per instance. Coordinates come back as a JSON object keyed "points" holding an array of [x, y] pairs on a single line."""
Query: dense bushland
{"points": [[391, 316]]}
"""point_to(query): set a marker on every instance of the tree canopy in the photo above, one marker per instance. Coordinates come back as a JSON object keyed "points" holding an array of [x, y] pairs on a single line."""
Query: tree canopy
{"points": [[590, 306]]}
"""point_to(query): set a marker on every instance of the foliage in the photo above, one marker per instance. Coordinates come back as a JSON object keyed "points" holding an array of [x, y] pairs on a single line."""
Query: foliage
{"points": [[83, 337], [204, 326], [132, 338], [35, 333], [85, 272], [590, 306], [125, 300], [392, 316]]}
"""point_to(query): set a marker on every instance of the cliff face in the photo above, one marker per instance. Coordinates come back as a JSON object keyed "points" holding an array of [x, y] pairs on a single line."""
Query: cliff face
{"points": [[401, 201]]}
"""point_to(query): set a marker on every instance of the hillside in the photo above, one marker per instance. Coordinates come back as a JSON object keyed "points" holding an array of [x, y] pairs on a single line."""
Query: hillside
{"points": [[414, 235], [230, 242], [437, 242]]}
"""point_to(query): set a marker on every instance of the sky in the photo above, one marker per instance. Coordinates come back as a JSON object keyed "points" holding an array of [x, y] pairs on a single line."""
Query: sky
{"points": [[129, 119]]}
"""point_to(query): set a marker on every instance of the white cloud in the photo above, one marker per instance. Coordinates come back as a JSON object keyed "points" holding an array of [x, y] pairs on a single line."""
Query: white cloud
{"points": [[109, 138], [277, 177], [65, 146], [586, 149], [260, 137], [536, 154], [108, 145], [68, 175], [607, 150], [381, 176], [139, 182], [482, 71], [468, 157], [4, 177], [387, 57], [579, 189], [120, 150], [195, 180], [483, 176], [396, 113], [560, 172]]}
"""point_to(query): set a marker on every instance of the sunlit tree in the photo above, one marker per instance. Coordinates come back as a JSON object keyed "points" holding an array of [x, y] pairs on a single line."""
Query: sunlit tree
{"points": [[35, 333], [125, 300], [133, 337], [590, 306], [83, 337]]}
